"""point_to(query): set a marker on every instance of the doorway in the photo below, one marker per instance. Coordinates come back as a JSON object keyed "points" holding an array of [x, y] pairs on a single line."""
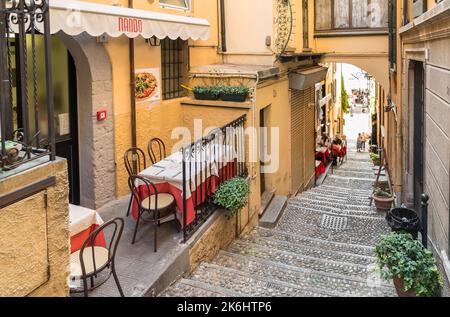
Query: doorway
{"points": [[64, 103], [67, 136], [262, 147], [419, 131]]}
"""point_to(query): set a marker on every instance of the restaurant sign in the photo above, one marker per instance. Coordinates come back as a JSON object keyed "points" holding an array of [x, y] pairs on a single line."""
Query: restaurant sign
{"points": [[130, 25]]}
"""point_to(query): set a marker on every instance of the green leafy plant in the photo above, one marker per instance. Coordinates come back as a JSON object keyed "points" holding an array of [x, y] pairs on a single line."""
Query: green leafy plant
{"points": [[381, 193], [203, 90], [374, 157], [233, 195], [344, 97], [234, 90], [399, 255]]}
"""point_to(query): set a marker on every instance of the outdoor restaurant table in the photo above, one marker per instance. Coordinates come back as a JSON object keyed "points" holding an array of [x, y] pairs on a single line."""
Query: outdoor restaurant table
{"points": [[322, 154], [212, 165], [320, 168], [83, 222]]}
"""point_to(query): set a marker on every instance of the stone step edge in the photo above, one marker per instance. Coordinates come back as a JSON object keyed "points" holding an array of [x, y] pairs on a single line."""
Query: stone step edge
{"points": [[333, 176], [360, 246], [311, 201], [316, 290], [367, 257], [352, 191], [224, 292], [310, 257], [383, 285], [327, 199], [340, 211], [326, 195], [334, 214]]}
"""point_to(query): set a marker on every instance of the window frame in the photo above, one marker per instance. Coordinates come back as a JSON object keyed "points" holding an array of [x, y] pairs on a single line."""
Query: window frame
{"points": [[351, 30], [178, 68], [175, 7]]}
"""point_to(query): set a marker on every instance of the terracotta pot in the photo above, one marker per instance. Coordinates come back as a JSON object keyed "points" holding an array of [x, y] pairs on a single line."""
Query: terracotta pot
{"points": [[400, 287], [383, 204]]}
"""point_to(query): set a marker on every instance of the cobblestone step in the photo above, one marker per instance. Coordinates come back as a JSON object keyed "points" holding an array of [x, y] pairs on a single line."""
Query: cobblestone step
{"points": [[316, 243], [337, 199], [252, 285], [298, 260], [334, 207], [336, 189], [339, 284], [300, 249], [363, 230], [349, 183], [346, 173], [195, 289]]}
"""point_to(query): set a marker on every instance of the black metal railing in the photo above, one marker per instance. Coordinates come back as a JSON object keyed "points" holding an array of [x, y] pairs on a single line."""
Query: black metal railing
{"points": [[207, 163], [21, 23]]}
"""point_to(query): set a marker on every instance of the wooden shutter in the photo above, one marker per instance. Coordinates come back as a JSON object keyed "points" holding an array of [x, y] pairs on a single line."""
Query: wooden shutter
{"points": [[309, 136], [297, 139]]}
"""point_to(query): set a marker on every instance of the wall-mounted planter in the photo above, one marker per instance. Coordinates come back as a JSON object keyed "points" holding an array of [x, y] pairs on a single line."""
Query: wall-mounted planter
{"points": [[234, 97]]}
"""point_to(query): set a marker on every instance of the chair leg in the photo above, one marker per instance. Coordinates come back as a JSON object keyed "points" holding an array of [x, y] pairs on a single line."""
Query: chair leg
{"points": [[136, 228], [116, 279], [176, 221], [156, 238], [85, 287], [130, 205]]}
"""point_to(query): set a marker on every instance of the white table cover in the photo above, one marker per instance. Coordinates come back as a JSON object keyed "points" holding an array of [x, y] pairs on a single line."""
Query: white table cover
{"points": [[82, 219]]}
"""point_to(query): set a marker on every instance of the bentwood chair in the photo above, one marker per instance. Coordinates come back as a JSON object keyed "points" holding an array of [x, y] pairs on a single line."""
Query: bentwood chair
{"points": [[95, 262], [156, 150], [135, 162], [154, 208]]}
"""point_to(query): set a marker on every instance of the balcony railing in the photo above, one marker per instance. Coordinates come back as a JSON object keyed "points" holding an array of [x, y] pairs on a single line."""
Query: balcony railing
{"points": [[351, 16], [22, 22], [207, 163]]}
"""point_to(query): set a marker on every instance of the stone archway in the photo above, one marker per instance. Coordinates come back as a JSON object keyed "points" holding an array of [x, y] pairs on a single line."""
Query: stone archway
{"points": [[96, 139]]}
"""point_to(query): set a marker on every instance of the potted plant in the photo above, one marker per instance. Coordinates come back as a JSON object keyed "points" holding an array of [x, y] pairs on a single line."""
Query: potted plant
{"points": [[206, 93], [375, 159], [383, 200], [411, 266], [234, 93], [233, 195]]}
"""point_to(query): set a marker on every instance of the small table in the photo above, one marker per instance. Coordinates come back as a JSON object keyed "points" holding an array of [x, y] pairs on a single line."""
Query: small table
{"points": [[322, 154], [83, 222], [217, 164], [320, 168]]}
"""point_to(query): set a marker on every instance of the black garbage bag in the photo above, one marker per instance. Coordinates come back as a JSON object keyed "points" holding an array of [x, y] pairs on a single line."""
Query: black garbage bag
{"points": [[404, 220]]}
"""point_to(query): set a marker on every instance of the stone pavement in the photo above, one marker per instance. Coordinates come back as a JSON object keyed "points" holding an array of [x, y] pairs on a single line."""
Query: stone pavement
{"points": [[323, 245]]}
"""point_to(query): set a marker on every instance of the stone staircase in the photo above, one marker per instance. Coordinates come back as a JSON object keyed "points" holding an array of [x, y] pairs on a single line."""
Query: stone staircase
{"points": [[322, 246]]}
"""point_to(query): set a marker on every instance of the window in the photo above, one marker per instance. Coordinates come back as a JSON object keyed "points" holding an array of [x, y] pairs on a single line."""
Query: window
{"points": [[393, 34], [350, 14], [174, 67], [175, 4]]}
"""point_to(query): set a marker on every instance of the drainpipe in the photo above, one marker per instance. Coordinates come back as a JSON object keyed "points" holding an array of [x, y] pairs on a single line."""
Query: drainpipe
{"points": [[132, 87], [223, 30]]}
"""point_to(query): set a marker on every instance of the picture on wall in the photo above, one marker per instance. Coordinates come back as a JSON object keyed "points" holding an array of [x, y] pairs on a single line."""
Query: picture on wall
{"points": [[148, 85]]}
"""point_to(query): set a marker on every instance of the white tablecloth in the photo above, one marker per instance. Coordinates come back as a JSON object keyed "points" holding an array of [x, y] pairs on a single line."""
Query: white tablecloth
{"points": [[205, 164], [82, 219]]}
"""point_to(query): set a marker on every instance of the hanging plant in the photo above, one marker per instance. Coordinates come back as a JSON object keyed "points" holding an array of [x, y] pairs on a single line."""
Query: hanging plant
{"points": [[233, 195]]}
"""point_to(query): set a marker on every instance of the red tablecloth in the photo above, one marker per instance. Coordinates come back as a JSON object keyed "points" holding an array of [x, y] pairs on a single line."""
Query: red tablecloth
{"points": [[320, 169], [198, 196], [77, 241], [323, 156]]}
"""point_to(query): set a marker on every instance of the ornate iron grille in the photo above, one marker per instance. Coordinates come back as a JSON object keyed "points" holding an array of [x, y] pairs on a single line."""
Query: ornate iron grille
{"points": [[207, 163], [21, 22]]}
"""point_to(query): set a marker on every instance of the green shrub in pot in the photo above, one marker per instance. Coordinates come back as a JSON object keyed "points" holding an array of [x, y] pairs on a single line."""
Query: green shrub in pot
{"points": [[206, 92], [403, 258], [233, 195], [234, 93]]}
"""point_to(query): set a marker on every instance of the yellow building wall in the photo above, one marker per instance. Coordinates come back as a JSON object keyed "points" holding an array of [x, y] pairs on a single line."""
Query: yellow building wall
{"points": [[34, 235]]}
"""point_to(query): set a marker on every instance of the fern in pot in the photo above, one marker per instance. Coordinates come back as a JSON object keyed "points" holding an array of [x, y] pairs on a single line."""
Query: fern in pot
{"points": [[411, 266], [233, 195]]}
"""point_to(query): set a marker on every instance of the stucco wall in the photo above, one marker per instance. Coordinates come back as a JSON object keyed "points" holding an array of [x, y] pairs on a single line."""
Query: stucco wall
{"points": [[34, 236]]}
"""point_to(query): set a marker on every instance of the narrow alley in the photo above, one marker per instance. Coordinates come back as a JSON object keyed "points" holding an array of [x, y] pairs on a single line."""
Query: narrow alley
{"points": [[323, 245]]}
